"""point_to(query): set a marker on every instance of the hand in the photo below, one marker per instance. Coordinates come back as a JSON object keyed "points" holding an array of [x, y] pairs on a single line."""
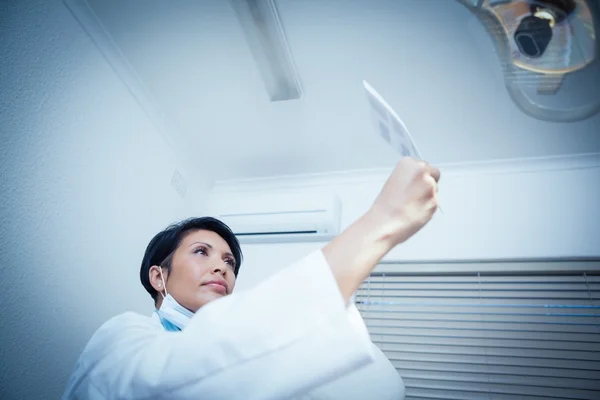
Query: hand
{"points": [[407, 200], [404, 205]]}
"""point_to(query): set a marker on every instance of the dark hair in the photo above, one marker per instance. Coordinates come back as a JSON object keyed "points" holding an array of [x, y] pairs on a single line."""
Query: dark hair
{"points": [[162, 246]]}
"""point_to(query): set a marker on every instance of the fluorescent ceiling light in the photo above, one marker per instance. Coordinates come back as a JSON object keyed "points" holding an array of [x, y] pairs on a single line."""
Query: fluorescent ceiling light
{"points": [[266, 38]]}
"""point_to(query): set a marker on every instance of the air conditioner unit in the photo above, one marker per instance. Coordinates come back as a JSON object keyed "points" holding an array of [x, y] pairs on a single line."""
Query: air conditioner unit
{"points": [[280, 217]]}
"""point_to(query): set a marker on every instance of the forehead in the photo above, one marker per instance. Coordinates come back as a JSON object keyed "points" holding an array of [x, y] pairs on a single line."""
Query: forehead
{"points": [[208, 237]]}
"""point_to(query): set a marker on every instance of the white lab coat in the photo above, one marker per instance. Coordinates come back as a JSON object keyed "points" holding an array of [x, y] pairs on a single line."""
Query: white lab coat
{"points": [[292, 336]]}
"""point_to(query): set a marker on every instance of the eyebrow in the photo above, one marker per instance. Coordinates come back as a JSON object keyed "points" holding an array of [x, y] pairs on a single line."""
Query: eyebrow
{"points": [[211, 247]]}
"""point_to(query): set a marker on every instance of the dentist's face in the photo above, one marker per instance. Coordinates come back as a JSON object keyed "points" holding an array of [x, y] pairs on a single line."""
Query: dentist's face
{"points": [[202, 270]]}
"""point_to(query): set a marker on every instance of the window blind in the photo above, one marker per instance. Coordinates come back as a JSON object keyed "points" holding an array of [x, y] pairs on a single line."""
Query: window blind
{"points": [[530, 335]]}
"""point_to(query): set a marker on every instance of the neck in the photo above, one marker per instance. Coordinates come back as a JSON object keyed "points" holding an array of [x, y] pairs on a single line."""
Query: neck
{"points": [[158, 302]]}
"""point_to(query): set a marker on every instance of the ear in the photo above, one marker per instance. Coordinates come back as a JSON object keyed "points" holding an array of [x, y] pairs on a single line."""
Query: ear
{"points": [[155, 279]]}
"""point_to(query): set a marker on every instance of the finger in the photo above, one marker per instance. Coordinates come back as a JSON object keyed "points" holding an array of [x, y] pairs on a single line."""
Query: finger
{"points": [[430, 180], [434, 172]]}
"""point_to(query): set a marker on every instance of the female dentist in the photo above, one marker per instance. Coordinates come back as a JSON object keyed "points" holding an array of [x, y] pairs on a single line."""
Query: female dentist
{"points": [[295, 335]]}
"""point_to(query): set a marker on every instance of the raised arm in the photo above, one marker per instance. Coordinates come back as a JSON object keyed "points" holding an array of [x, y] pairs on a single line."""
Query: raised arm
{"points": [[406, 203]]}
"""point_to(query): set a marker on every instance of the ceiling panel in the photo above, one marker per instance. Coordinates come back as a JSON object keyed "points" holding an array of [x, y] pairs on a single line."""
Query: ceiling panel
{"points": [[427, 58]]}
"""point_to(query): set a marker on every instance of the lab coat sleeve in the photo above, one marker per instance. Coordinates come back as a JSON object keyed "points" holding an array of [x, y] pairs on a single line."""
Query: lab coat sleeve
{"points": [[291, 333]]}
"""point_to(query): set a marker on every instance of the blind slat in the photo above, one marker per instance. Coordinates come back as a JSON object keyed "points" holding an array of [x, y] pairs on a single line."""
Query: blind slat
{"points": [[418, 393], [435, 293], [521, 286], [476, 387], [481, 325], [468, 317], [489, 335], [428, 393], [484, 307], [493, 351], [506, 379], [468, 278], [495, 360], [508, 343], [443, 300], [496, 369]]}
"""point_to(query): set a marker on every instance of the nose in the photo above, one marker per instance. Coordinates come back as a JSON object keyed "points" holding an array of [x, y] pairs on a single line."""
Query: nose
{"points": [[220, 268]]}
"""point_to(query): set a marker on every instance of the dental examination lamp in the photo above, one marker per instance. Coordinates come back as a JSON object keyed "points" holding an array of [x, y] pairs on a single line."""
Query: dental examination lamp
{"points": [[548, 50]]}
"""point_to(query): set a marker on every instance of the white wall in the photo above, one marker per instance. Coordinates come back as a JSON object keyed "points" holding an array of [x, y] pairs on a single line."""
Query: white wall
{"points": [[85, 181], [527, 209]]}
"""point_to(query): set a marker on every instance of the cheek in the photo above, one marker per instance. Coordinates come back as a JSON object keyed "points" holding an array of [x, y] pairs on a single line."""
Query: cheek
{"points": [[231, 282], [200, 268], [193, 273]]}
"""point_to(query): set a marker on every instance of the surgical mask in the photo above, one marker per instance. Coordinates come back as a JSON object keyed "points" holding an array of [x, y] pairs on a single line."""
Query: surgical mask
{"points": [[173, 315]]}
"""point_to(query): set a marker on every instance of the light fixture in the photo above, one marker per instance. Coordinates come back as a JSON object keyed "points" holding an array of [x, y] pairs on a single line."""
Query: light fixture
{"points": [[266, 38], [549, 52]]}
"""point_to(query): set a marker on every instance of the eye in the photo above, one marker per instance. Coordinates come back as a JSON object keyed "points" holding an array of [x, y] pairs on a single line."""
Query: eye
{"points": [[231, 262], [200, 250]]}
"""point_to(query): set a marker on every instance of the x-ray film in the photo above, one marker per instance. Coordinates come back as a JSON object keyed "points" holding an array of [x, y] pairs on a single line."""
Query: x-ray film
{"points": [[389, 126]]}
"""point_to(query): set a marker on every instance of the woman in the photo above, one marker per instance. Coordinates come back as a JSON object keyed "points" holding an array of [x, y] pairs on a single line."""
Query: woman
{"points": [[293, 336]]}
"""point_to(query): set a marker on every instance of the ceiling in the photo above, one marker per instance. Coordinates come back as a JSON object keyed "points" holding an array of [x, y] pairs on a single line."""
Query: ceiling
{"points": [[431, 60]]}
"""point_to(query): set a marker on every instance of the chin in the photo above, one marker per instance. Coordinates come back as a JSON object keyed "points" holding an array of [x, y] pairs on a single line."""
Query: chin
{"points": [[208, 298]]}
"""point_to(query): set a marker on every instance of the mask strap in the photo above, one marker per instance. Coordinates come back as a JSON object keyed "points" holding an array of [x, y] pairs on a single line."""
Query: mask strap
{"points": [[164, 284]]}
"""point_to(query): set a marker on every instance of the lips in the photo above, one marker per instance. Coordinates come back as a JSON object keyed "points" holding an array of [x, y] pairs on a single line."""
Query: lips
{"points": [[218, 285]]}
